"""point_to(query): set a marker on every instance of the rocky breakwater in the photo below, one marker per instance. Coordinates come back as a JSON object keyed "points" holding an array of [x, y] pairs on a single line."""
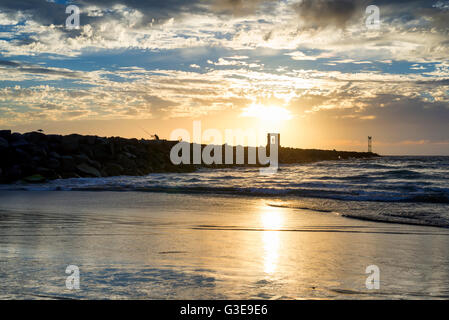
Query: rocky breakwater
{"points": [[36, 157]]}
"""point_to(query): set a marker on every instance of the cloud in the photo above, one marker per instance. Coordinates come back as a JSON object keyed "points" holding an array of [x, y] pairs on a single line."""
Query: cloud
{"points": [[325, 13], [239, 7], [299, 55], [414, 32], [38, 70], [234, 62], [324, 65]]}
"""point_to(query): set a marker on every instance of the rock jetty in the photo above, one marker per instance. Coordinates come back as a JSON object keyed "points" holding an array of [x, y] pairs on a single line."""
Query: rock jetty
{"points": [[36, 157]]}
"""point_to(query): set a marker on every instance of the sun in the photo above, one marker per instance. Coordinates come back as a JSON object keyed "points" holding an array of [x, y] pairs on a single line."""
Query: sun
{"points": [[270, 117]]}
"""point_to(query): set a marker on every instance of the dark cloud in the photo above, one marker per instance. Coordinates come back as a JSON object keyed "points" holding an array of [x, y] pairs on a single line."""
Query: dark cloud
{"points": [[438, 18], [400, 118], [155, 101], [9, 63], [40, 70], [155, 11], [47, 13], [323, 13], [312, 13], [339, 13], [239, 7], [47, 71], [42, 11], [442, 82]]}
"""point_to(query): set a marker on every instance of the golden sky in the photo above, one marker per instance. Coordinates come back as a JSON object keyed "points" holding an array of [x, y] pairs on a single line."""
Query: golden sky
{"points": [[310, 70]]}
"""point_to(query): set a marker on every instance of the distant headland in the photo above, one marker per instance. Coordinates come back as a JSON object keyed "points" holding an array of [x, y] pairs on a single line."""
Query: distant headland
{"points": [[36, 157]]}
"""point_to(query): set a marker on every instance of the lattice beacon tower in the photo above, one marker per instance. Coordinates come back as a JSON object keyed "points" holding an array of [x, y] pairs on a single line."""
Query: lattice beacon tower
{"points": [[370, 144]]}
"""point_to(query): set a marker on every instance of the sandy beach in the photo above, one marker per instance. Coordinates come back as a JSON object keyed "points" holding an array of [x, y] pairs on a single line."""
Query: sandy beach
{"points": [[144, 245]]}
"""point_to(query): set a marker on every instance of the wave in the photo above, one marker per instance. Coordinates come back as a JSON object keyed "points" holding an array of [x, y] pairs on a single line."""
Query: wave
{"points": [[415, 221], [402, 173], [436, 197], [430, 198], [407, 190]]}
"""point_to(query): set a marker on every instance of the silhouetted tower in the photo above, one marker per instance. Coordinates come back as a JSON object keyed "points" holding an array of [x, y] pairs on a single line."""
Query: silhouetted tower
{"points": [[271, 139], [370, 144]]}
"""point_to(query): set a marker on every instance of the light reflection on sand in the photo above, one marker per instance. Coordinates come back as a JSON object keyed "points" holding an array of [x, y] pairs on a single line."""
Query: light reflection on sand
{"points": [[272, 220], [170, 246]]}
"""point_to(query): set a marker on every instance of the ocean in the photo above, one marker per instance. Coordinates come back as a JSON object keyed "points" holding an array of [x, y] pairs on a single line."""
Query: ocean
{"points": [[410, 190], [308, 232]]}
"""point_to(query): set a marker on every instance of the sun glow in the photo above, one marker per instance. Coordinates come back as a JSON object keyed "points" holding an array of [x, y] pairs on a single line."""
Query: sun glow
{"points": [[267, 114]]}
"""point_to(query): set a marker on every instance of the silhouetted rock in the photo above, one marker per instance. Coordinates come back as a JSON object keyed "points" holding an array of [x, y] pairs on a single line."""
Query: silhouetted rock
{"points": [[3, 143], [15, 136], [34, 137], [5, 134], [48, 173], [80, 158], [21, 156], [13, 173], [70, 143], [36, 157], [54, 154], [21, 142], [68, 164], [36, 178], [68, 175], [113, 169], [86, 169], [53, 163]]}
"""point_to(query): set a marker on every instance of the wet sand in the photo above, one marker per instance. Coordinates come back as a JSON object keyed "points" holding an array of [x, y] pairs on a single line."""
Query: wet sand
{"points": [[172, 246]]}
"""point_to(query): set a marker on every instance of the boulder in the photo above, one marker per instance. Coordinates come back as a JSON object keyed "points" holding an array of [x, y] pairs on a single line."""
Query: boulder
{"points": [[101, 152], [54, 138], [36, 159], [125, 162], [130, 149], [8, 158], [80, 158], [34, 137], [113, 169], [87, 150], [3, 143], [67, 175], [129, 155], [22, 156], [37, 150], [90, 140], [28, 168], [13, 173], [19, 143], [95, 164], [35, 178], [53, 163], [46, 172], [68, 164], [70, 143], [5, 134], [87, 169], [16, 136], [54, 154]]}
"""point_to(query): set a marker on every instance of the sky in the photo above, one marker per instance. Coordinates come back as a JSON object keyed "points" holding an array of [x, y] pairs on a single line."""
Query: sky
{"points": [[312, 70]]}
